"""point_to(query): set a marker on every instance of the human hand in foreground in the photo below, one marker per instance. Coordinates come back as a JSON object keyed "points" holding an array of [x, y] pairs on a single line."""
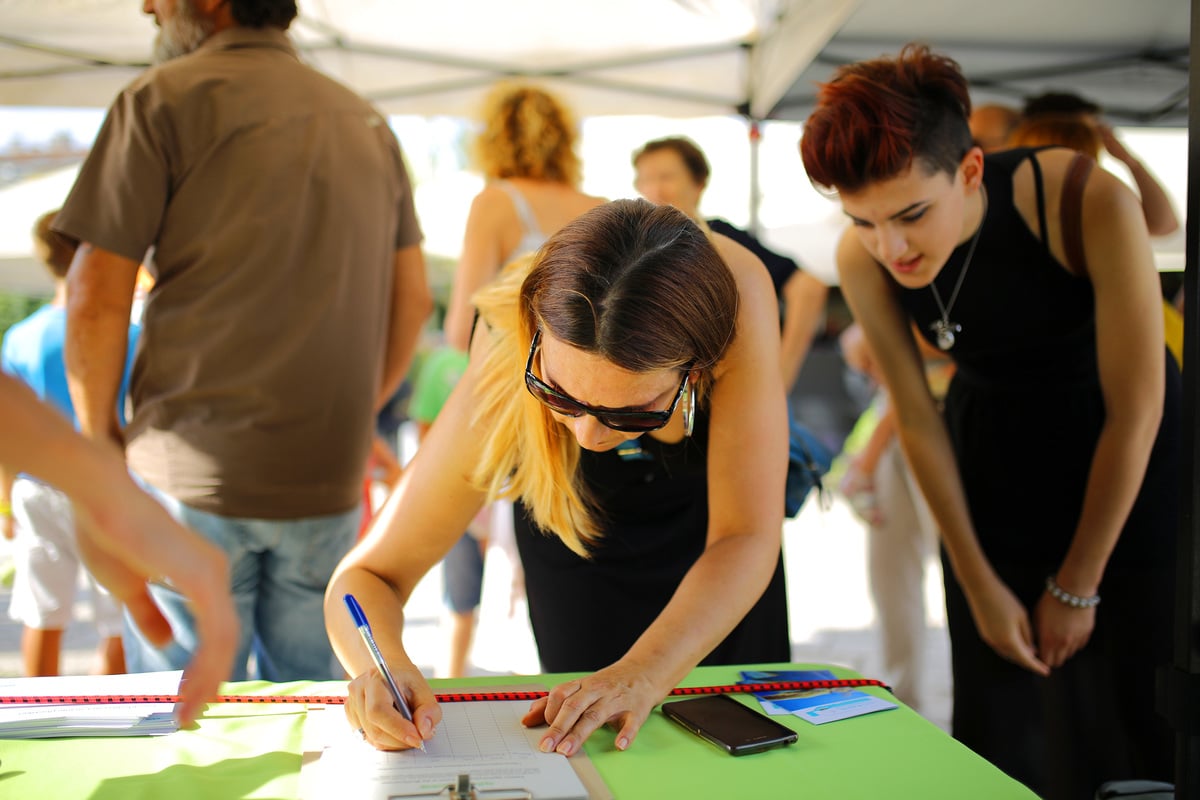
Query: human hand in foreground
{"points": [[1003, 623], [619, 695], [125, 537], [371, 710], [128, 542], [1062, 631]]}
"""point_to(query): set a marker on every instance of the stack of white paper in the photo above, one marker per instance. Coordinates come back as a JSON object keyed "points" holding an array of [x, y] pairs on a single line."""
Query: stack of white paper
{"points": [[49, 720]]}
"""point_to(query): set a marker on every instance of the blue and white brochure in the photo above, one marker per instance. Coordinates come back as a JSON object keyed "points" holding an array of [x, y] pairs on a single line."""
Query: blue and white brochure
{"points": [[816, 706]]}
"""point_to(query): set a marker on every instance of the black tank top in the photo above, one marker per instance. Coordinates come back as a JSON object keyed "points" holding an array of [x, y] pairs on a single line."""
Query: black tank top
{"points": [[1025, 407], [586, 613]]}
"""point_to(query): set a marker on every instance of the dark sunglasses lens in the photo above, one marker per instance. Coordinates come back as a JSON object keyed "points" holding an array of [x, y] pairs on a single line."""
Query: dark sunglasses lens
{"points": [[555, 402], [631, 423]]}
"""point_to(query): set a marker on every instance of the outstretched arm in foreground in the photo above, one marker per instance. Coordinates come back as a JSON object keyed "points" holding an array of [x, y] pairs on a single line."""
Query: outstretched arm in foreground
{"points": [[125, 537]]}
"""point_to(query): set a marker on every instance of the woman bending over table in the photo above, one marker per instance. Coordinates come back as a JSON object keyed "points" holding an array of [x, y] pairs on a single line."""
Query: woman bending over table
{"points": [[624, 388], [1054, 473]]}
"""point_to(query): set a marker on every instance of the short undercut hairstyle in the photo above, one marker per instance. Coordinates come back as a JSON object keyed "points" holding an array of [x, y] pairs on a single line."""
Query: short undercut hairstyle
{"points": [[876, 119]]}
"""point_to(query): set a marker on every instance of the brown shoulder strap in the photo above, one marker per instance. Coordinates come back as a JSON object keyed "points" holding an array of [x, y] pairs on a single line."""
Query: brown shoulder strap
{"points": [[1071, 213]]}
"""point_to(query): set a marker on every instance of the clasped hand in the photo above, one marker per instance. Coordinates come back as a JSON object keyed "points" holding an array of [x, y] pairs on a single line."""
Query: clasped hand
{"points": [[1056, 633], [1062, 631]]}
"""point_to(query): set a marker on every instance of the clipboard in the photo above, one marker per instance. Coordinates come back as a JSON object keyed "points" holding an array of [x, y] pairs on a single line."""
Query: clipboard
{"points": [[464, 789], [457, 784]]}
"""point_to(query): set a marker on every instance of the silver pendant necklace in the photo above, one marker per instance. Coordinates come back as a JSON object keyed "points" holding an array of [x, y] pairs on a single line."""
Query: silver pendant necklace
{"points": [[943, 329]]}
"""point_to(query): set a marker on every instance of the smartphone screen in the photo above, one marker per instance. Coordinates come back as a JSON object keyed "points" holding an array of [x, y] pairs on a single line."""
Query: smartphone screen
{"points": [[735, 728]]}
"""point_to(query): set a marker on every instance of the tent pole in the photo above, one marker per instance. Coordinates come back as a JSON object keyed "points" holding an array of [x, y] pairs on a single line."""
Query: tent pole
{"points": [[1179, 682], [755, 134]]}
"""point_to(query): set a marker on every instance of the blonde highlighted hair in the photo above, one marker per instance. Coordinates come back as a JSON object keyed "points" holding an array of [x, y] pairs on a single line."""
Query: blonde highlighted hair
{"points": [[527, 133], [637, 284]]}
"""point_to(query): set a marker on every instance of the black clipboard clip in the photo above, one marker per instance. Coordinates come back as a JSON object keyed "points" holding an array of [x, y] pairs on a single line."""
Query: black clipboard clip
{"points": [[463, 789]]}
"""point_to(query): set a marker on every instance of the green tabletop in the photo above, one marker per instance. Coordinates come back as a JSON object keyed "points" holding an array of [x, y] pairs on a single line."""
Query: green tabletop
{"points": [[253, 751]]}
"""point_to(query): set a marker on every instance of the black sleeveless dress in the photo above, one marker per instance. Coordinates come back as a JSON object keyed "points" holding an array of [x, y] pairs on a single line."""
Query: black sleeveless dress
{"points": [[586, 613], [1024, 412]]}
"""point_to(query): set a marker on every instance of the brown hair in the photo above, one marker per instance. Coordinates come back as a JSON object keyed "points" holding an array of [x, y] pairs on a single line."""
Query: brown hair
{"points": [[54, 249], [636, 283], [1058, 103], [527, 133], [1067, 130], [992, 125], [689, 151]]}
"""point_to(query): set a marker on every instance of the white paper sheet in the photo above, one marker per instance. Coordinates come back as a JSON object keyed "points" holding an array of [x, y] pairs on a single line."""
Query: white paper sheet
{"points": [[484, 739], [42, 721]]}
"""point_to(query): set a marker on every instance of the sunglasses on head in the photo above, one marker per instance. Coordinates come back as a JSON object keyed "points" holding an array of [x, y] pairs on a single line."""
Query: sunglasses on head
{"points": [[618, 420]]}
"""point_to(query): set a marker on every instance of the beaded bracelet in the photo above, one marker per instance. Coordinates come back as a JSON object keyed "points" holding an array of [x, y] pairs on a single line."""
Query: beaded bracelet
{"points": [[1073, 600]]}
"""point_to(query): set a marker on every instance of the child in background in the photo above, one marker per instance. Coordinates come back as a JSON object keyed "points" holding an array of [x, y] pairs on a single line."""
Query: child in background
{"points": [[37, 517]]}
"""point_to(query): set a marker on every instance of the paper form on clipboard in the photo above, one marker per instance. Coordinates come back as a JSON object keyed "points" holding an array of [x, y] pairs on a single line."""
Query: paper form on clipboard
{"points": [[485, 740]]}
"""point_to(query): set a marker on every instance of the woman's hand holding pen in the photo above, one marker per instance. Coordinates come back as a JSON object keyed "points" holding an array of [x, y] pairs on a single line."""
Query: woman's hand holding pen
{"points": [[620, 695], [371, 709]]}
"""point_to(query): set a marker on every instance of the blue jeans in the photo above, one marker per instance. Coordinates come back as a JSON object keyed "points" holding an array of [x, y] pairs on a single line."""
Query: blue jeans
{"points": [[462, 575], [278, 573]]}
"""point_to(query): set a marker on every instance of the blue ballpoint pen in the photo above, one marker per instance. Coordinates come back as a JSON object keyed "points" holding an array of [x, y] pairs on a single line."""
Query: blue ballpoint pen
{"points": [[364, 630]]}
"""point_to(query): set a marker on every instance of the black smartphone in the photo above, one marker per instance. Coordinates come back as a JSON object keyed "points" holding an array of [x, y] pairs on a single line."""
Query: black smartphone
{"points": [[737, 729]]}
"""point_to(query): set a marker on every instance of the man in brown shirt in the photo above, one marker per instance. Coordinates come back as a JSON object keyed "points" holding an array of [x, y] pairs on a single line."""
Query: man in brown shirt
{"points": [[290, 291]]}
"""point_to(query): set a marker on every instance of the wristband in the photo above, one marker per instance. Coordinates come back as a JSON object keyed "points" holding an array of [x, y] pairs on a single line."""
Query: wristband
{"points": [[1066, 598], [5, 508]]}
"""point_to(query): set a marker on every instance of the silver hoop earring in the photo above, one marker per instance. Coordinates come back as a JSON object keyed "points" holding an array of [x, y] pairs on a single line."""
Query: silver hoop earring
{"points": [[689, 410]]}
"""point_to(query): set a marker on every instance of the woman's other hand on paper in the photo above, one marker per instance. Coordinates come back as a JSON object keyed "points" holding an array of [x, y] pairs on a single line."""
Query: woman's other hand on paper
{"points": [[617, 695]]}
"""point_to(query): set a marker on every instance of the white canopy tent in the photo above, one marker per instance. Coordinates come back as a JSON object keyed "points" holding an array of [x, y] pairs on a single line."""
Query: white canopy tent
{"points": [[674, 57], [759, 59], [683, 58], [667, 57]]}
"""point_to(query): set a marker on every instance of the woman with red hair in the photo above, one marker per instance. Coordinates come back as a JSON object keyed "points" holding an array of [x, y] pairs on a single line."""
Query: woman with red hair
{"points": [[1053, 474]]}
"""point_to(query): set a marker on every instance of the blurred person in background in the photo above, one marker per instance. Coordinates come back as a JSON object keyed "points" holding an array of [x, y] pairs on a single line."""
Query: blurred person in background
{"points": [[526, 152], [1161, 219], [674, 171], [992, 126], [289, 293]]}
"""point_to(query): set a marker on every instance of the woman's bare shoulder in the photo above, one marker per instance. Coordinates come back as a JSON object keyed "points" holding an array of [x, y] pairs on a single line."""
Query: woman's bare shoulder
{"points": [[738, 258], [758, 299]]}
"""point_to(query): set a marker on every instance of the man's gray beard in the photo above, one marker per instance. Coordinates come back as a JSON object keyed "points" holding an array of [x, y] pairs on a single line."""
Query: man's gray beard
{"points": [[182, 34]]}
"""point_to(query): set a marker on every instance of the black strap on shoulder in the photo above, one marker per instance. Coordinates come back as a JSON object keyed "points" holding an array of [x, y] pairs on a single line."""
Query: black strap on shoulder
{"points": [[1040, 191], [1071, 213]]}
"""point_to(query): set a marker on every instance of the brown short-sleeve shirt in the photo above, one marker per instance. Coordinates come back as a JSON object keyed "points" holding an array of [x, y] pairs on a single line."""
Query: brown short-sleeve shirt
{"points": [[274, 200]]}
